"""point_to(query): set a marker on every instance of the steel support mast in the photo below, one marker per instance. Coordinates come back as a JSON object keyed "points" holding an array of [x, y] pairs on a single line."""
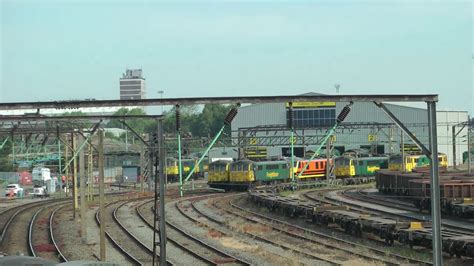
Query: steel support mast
{"points": [[435, 193]]}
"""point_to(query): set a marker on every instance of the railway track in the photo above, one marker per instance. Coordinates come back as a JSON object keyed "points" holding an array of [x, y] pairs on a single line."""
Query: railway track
{"points": [[15, 223], [51, 232], [136, 251], [194, 246], [8, 215], [370, 254], [266, 239], [174, 245], [40, 235]]}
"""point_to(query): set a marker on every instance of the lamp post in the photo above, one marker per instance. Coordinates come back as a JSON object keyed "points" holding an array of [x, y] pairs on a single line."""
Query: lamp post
{"points": [[160, 92]]}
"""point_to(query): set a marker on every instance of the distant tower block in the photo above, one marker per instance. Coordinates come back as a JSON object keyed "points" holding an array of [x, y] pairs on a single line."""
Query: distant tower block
{"points": [[132, 85]]}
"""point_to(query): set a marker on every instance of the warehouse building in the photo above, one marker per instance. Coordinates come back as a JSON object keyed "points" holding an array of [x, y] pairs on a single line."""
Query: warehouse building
{"points": [[261, 130]]}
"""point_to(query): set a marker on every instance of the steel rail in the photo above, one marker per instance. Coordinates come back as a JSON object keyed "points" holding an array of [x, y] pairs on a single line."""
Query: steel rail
{"points": [[135, 239], [291, 234], [189, 236], [265, 240], [74, 104], [31, 204], [116, 244], [20, 209], [51, 218], [30, 233], [327, 236], [297, 235], [181, 246]]}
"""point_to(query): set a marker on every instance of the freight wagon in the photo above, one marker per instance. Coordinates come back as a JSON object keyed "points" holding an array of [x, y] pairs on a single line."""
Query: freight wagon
{"points": [[455, 195], [357, 223], [456, 190]]}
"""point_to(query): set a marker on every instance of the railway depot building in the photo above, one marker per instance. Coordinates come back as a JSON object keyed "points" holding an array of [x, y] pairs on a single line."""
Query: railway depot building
{"points": [[260, 130]]}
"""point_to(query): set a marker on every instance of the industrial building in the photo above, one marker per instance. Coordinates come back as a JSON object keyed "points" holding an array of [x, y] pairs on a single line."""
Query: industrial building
{"points": [[262, 128], [132, 85]]}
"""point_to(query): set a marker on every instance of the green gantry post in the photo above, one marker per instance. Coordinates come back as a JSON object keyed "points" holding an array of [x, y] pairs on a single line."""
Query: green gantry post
{"points": [[180, 166], [292, 145], [205, 152], [316, 152], [59, 159], [342, 115], [3, 144], [13, 151], [227, 121]]}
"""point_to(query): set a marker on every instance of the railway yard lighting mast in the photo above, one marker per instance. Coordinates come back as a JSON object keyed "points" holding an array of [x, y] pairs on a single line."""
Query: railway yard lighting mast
{"points": [[180, 166], [292, 141]]}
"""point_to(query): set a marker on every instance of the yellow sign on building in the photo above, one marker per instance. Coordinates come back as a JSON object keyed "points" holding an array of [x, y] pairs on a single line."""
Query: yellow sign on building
{"points": [[311, 104], [372, 138]]}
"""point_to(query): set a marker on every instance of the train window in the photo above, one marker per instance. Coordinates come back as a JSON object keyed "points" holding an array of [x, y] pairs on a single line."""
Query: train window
{"points": [[361, 163], [260, 168], [272, 166]]}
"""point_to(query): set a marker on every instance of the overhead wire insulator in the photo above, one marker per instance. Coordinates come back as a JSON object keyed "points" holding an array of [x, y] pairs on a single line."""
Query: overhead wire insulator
{"points": [[178, 118], [154, 142], [290, 115], [230, 116], [343, 114]]}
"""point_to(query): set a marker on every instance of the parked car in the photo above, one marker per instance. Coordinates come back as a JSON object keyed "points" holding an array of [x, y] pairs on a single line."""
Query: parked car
{"points": [[15, 188]]}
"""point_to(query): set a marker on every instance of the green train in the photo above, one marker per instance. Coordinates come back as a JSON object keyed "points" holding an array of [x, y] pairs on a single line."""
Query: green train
{"points": [[187, 165], [413, 161], [347, 166], [242, 174]]}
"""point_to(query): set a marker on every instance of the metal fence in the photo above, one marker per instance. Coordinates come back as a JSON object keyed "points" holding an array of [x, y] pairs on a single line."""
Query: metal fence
{"points": [[9, 177]]}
